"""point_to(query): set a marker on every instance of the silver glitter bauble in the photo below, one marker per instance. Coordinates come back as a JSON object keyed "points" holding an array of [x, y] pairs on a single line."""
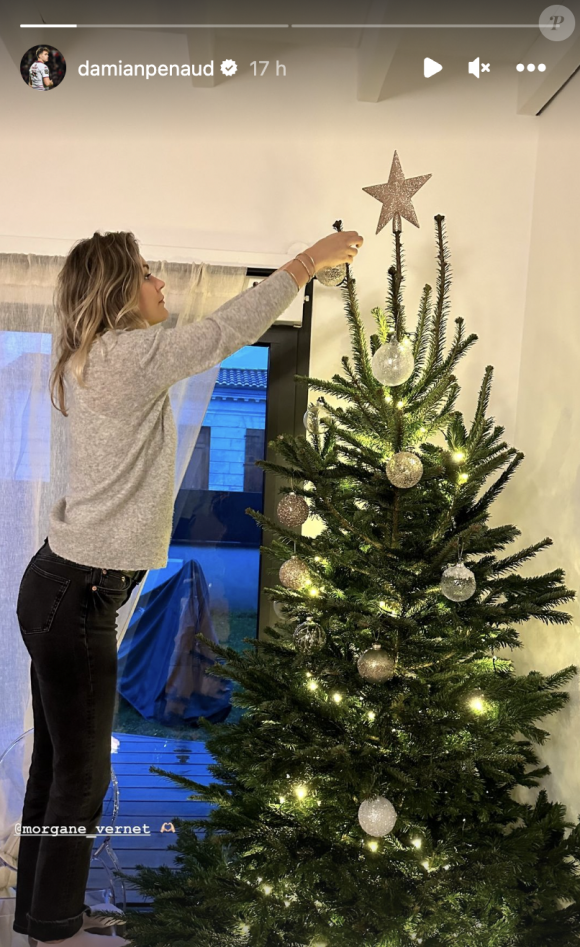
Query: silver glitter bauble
{"points": [[332, 275], [375, 665], [281, 611], [377, 816], [404, 469], [309, 636], [292, 510], [458, 582], [393, 363], [294, 573], [312, 417]]}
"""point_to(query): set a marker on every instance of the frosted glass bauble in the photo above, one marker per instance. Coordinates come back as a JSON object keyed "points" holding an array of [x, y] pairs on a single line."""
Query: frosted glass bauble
{"points": [[312, 417], [376, 665], [393, 362], [404, 469], [377, 816], [281, 611], [458, 583]]}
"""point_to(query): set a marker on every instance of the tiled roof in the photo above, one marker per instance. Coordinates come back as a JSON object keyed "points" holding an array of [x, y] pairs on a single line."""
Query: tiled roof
{"points": [[242, 378]]}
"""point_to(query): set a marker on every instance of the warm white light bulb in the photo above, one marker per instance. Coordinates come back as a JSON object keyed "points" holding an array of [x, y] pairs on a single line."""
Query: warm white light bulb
{"points": [[313, 591], [372, 715], [373, 846], [477, 704], [417, 842], [301, 791], [267, 889], [400, 404], [312, 685], [458, 455], [282, 798], [337, 698]]}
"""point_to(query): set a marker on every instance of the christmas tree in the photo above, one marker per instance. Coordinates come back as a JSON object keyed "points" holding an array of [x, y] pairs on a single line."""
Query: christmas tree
{"points": [[373, 792]]}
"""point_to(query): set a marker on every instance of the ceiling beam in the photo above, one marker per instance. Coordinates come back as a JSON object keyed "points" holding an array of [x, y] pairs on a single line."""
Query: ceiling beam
{"points": [[562, 59], [375, 53], [201, 43]]}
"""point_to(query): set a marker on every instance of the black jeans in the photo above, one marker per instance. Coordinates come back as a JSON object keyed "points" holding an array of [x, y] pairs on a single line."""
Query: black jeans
{"points": [[67, 615]]}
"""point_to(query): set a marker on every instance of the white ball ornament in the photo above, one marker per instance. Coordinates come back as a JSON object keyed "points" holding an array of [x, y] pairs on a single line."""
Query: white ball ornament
{"points": [[294, 573], [377, 816], [393, 362], [404, 469], [332, 275], [458, 582], [309, 636], [376, 665], [292, 510]]}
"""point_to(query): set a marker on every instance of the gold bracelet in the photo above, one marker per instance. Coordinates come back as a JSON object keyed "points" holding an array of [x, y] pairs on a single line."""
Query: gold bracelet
{"points": [[308, 273], [290, 273], [304, 253], [311, 275]]}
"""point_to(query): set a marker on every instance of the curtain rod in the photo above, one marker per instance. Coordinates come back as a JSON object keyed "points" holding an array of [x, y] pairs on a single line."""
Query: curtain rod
{"points": [[251, 270], [165, 246]]}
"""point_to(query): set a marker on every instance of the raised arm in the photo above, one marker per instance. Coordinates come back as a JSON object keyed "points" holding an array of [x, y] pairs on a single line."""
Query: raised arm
{"points": [[165, 356]]}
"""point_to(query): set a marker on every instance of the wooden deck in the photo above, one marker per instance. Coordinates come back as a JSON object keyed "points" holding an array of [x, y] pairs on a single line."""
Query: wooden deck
{"points": [[152, 800]]}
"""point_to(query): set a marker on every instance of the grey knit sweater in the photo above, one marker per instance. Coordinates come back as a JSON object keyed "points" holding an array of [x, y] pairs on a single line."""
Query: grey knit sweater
{"points": [[119, 508]]}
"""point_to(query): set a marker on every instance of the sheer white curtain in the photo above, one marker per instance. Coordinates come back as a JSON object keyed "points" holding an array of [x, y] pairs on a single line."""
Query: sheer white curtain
{"points": [[34, 452]]}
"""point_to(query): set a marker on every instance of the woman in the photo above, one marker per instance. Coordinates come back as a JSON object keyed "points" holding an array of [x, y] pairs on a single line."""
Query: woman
{"points": [[113, 525]]}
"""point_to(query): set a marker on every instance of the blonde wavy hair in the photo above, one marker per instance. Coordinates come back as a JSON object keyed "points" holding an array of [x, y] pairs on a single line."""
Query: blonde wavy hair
{"points": [[97, 290]]}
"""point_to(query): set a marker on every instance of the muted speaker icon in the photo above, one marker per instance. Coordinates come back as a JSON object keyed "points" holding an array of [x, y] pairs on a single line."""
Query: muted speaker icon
{"points": [[473, 68]]}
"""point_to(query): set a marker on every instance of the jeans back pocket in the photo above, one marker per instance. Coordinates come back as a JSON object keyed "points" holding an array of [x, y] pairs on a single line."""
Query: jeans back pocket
{"points": [[39, 597]]}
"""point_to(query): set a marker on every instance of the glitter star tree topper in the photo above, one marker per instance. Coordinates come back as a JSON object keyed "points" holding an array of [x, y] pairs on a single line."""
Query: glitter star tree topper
{"points": [[396, 195]]}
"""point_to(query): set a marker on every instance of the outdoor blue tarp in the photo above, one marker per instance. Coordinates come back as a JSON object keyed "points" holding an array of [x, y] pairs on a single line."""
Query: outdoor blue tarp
{"points": [[161, 663]]}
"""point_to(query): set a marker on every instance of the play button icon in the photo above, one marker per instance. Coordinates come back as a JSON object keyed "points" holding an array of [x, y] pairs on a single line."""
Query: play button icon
{"points": [[430, 67]]}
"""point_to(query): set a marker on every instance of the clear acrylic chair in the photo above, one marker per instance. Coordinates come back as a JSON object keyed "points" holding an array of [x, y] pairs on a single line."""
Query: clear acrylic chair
{"points": [[14, 766]]}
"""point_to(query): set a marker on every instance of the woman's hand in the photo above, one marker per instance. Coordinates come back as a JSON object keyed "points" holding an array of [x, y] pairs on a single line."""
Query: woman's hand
{"points": [[337, 248], [341, 247]]}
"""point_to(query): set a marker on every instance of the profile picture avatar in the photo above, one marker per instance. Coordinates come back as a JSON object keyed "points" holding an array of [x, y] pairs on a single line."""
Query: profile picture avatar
{"points": [[43, 68]]}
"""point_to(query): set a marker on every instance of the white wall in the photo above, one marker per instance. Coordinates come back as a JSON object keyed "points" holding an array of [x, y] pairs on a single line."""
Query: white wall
{"points": [[544, 498], [250, 168], [258, 167]]}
